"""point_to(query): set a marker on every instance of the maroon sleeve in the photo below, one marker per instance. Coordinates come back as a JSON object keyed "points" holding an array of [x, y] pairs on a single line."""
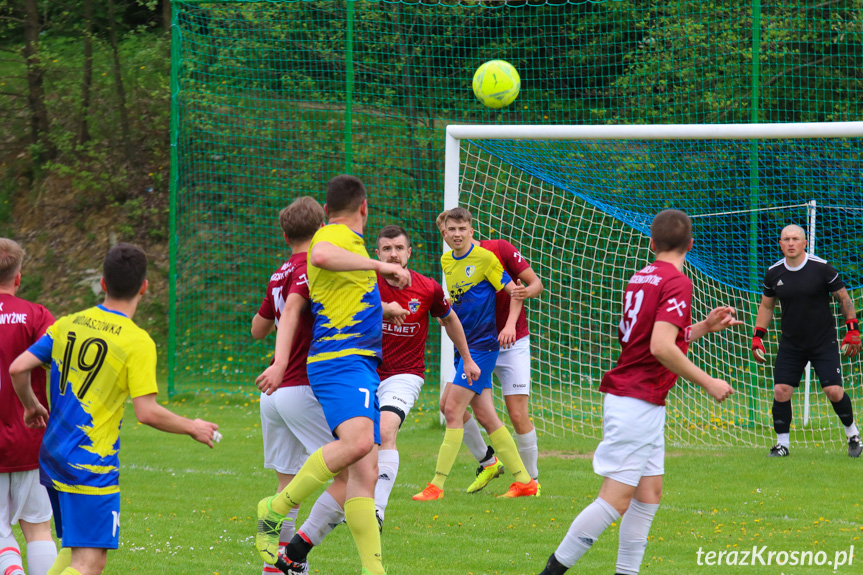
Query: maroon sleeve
{"points": [[675, 302], [440, 305], [268, 308], [513, 262], [299, 283]]}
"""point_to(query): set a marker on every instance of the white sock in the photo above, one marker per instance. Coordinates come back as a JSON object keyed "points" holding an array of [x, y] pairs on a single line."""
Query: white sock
{"points": [[40, 557], [289, 527], [634, 529], [529, 451], [388, 470], [325, 515], [584, 531], [10, 557], [475, 443], [851, 430], [783, 439]]}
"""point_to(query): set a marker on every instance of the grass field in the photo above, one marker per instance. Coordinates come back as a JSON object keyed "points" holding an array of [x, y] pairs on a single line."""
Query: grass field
{"points": [[188, 509]]}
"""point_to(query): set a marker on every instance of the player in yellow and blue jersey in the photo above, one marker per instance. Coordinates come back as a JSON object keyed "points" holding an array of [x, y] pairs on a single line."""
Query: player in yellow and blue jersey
{"points": [[342, 368], [99, 358], [474, 276]]}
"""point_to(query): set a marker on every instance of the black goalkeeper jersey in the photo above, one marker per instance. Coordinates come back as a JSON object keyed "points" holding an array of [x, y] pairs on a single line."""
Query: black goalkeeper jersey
{"points": [[804, 296]]}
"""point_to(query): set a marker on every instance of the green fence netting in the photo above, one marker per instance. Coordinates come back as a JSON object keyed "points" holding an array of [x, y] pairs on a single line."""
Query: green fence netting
{"points": [[271, 99]]}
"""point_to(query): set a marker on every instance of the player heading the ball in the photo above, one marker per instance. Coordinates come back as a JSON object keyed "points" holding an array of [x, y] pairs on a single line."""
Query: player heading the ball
{"points": [[342, 369]]}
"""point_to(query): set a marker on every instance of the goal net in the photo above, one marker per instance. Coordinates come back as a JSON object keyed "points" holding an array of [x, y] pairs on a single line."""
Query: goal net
{"points": [[578, 202]]}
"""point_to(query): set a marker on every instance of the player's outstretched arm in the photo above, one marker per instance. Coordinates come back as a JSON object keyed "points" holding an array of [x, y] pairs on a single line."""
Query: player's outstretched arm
{"points": [[664, 348], [455, 331], [331, 257], [851, 342], [718, 319], [149, 412], [35, 414], [270, 380], [506, 337]]}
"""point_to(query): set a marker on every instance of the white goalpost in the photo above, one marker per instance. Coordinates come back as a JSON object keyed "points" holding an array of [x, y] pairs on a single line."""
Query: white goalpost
{"points": [[578, 200]]}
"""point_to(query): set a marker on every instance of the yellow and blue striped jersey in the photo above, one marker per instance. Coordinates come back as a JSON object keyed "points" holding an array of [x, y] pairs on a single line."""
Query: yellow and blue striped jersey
{"points": [[346, 305], [473, 280], [98, 359]]}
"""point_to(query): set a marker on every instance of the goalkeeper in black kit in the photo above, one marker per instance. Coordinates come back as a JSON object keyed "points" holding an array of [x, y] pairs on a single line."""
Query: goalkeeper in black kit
{"points": [[804, 285]]}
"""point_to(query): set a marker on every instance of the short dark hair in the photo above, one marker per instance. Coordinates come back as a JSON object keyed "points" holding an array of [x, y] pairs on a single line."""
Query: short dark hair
{"points": [[459, 215], [11, 258], [345, 193], [392, 232], [671, 230], [302, 218], [124, 270]]}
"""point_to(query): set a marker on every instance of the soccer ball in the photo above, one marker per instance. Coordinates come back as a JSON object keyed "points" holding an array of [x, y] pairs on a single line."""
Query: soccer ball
{"points": [[496, 83]]}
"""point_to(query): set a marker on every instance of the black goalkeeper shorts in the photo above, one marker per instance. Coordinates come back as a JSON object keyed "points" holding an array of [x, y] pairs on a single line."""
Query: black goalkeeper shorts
{"points": [[791, 361]]}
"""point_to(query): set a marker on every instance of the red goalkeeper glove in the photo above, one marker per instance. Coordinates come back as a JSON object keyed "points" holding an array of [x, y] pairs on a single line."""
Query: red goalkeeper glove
{"points": [[758, 345], [851, 342]]}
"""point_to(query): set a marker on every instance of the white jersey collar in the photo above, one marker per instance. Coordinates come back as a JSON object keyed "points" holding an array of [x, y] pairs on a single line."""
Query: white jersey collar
{"points": [[798, 268]]}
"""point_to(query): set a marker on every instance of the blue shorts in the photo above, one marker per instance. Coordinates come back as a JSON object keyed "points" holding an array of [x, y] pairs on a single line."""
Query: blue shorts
{"points": [[89, 520], [486, 361], [347, 387]]}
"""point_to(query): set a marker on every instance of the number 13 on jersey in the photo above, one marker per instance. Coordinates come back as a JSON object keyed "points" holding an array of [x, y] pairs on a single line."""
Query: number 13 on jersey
{"points": [[631, 307]]}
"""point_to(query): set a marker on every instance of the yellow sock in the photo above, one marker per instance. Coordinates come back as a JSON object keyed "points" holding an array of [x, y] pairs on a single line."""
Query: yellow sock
{"points": [[63, 560], [447, 454], [311, 477], [70, 571], [360, 516], [504, 447]]}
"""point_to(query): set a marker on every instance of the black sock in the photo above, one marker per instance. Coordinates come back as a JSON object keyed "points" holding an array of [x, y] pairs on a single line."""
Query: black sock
{"points": [[553, 567], [489, 453], [298, 549], [844, 410], [782, 416]]}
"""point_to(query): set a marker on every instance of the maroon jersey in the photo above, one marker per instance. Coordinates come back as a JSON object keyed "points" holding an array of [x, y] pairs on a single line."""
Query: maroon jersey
{"points": [[514, 264], [288, 279], [21, 324], [659, 292], [404, 346]]}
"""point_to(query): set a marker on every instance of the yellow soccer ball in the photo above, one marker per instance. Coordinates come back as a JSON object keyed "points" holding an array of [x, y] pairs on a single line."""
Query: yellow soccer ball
{"points": [[496, 83]]}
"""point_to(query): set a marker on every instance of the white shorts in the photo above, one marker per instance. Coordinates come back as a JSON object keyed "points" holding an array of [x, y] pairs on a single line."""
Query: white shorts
{"points": [[22, 497], [633, 440], [399, 393], [293, 426], [513, 368]]}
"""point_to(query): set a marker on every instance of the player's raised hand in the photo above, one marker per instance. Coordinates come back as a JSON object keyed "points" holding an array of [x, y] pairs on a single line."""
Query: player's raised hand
{"points": [[36, 418], [394, 313], [721, 318], [471, 371], [519, 291], [396, 273], [506, 337], [203, 431], [718, 389], [271, 378]]}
